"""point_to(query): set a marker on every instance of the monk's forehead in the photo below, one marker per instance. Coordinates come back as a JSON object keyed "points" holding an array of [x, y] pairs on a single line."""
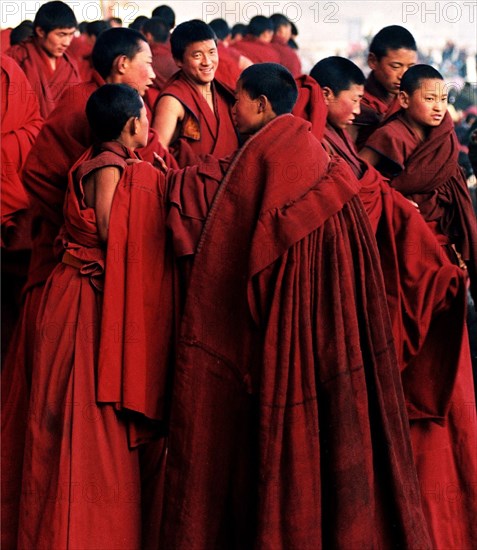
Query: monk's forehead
{"points": [[201, 46], [432, 85], [401, 55]]}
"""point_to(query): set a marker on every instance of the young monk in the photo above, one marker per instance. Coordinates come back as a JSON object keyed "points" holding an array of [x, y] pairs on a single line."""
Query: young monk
{"points": [[193, 113], [44, 58], [282, 32], [426, 298], [391, 52], [157, 33], [257, 43], [280, 436]]}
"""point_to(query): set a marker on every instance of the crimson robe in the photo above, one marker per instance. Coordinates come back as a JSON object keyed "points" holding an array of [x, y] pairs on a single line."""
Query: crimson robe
{"points": [[376, 106], [310, 104], [202, 131], [426, 300], [257, 51], [81, 49], [288, 56], [288, 426], [228, 70], [47, 83], [428, 173], [163, 64]]}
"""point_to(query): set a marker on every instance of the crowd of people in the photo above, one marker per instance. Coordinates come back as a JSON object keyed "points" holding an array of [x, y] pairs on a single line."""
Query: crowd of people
{"points": [[238, 301]]}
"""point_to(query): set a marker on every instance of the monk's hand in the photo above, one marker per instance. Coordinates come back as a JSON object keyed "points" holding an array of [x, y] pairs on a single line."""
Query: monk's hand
{"points": [[159, 163], [133, 161]]}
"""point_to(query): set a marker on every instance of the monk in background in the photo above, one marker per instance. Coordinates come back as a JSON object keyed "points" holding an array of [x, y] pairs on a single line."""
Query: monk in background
{"points": [[282, 33], [257, 43], [44, 58]]}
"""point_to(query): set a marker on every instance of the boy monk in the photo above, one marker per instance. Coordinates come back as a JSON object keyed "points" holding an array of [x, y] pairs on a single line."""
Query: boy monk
{"points": [[426, 296], [272, 443], [391, 52], [44, 59], [193, 113]]}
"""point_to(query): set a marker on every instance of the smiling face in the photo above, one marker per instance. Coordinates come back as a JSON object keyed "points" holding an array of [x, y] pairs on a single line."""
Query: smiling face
{"points": [[200, 61], [344, 106], [56, 42], [389, 69], [427, 105]]}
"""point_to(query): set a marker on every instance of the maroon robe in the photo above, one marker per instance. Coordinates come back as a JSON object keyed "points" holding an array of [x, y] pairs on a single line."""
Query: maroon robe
{"points": [[426, 300], [428, 173], [202, 131], [288, 424], [310, 104], [228, 70], [376, 105], [288, 56], [48, 84], [257, 51], [163, 64]]}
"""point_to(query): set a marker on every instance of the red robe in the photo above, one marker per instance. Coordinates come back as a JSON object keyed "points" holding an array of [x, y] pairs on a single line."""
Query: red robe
{"points": [[376, 106], [257, 51], [288, 56], [426, 296], [287, 414], [202, 131], [228, 70], [47, 83], [428, 173], [81, 49], [163, 64], [310, 104]]}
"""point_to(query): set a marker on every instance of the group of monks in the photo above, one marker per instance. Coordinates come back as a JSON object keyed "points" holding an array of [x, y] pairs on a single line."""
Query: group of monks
{"points": [[244, 294]]}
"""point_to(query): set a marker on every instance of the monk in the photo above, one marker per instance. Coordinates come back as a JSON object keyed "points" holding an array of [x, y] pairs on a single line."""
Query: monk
{"points": [[282, 32], [280, 436], [232, 62], [193, 113], [391, 52], [157, 33], [120, 56], [167, 14], [256, 44], [426, 300], [44, 58], [83, 55]]}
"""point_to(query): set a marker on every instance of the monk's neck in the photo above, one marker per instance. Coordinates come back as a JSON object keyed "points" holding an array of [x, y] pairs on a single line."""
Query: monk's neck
{"points": [[206, 91], [419, 130]]}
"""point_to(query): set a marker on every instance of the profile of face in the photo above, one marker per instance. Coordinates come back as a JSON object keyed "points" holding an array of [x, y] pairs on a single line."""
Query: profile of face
{"points": [[200, 61], [56, 42], [427, 105], [389, 69], [284, 32], [344, 106], [138, 71], [141, 128], [247, 113]]}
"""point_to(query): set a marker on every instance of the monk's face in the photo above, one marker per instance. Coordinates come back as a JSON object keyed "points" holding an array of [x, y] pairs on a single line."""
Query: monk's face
{"points": [[427, 105], [138, 71], [200, 61], [56, 42], [344, 106], [247, 113], [142, 128], [389, 69]]}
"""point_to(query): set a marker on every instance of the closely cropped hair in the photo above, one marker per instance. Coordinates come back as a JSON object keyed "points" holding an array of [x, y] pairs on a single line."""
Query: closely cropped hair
{"points": [[259, 24], [95, 28], [187, 33], [157, 28], [412, 78], [393, 37], [279, 20], [54, 15], [110, 107], [138, 23], [273, 81], [167, 14], [221, 28], [337, 74], [20, 33], [112, 43], [239, 28]]}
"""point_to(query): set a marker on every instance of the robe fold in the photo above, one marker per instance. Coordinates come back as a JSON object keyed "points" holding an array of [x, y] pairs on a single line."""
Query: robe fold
{"points": [[257, 51], [49, 84], [288, 419], [310, 104], [228, 70], [428, 173], [426, 300], [376, 106], [163, 64], [288, 56], [202, 131]]}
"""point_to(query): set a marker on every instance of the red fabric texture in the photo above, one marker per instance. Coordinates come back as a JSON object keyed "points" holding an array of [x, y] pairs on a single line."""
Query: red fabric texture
{"points": [[81, 49], [21, 123], [288, 56], [426, 296], [257, 51], [213, 133], [5, 39], [47, 83], [429, 174], [310, 104], [163, 64], [287, 413], [376, 106], [228, 70]]}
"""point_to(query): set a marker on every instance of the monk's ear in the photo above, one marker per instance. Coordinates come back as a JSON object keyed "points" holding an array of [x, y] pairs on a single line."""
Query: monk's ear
{"points": [[328, 94], [404, 99], [40, 32], [120, 64], [372, 61], [262, 103]]}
